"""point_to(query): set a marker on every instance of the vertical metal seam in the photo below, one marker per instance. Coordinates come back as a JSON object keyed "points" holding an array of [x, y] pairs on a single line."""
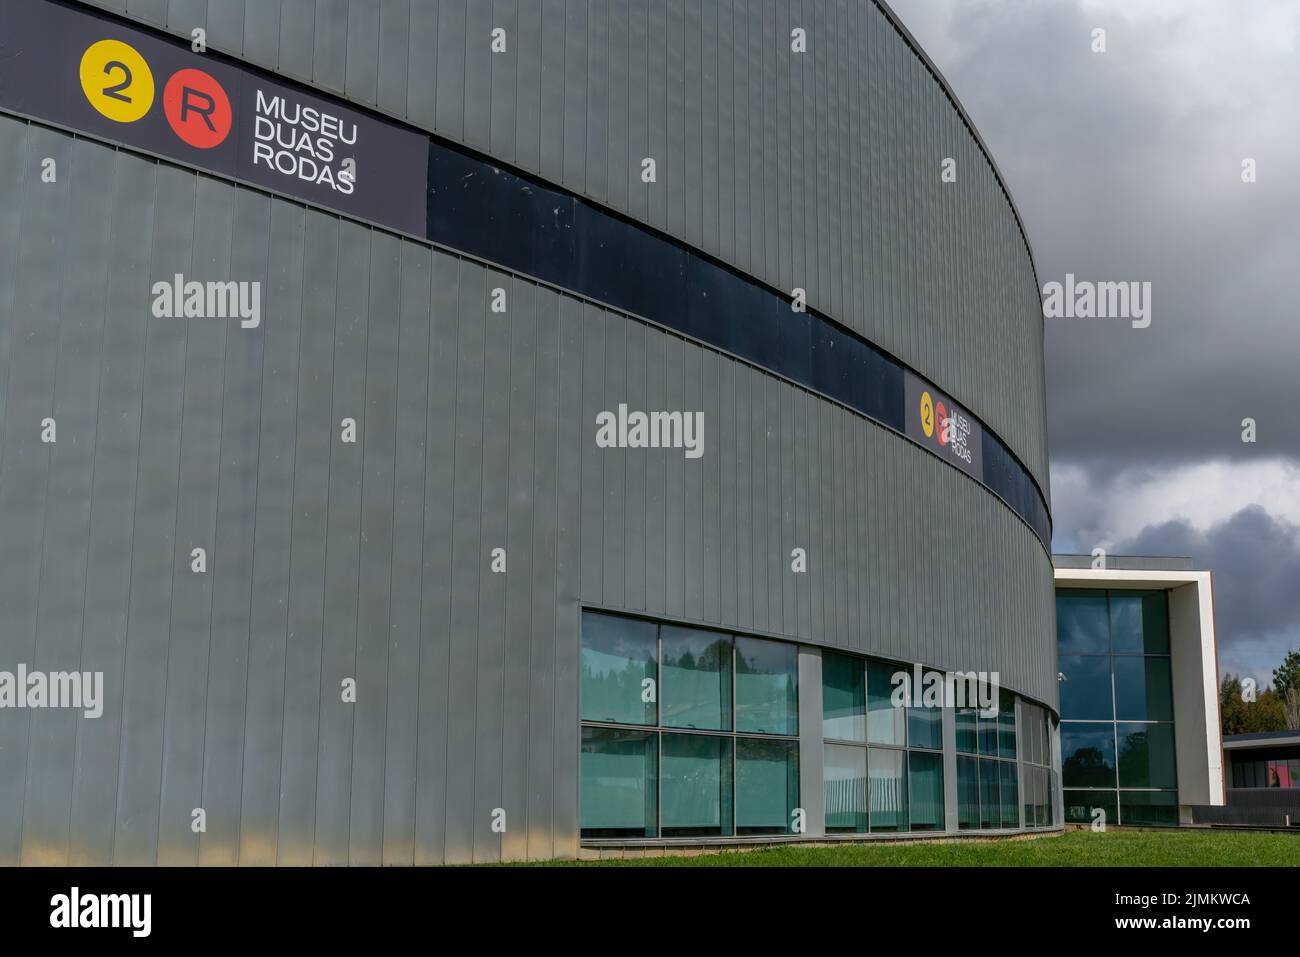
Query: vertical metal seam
{"points": [[320, 698]]}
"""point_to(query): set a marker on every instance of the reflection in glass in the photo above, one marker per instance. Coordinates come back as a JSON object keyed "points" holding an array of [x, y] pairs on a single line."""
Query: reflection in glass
{"points": [[767, 786], [845, 776], [1146, 755], [1081, 807], [926, 783], [1139, 622], [1010, 794], [1085, 692], [988, 728], [1006, 725], [925, 724], [696, 686], [886, 724], [618, 659], [968, 793], [618, 782], [967, 731], [844, 697], [695, 789], [1151, 808], [766, 682], [887, 786], [1081, 626], [1087, 755], [1143, 689], [990, 809]]}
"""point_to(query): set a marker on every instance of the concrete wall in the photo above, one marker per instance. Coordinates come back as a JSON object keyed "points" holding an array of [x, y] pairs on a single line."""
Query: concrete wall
{"points": [[1195, 671]]}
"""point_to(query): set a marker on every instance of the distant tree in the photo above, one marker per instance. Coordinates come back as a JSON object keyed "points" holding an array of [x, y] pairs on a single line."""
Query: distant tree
{"points": [[1088, 766], [1287, 676], [1286, 680], [1265, 713], [1291, 707]]}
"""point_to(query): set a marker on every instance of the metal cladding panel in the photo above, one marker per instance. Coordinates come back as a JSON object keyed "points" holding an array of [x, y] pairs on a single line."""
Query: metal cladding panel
{"points": [[791, 130], [330, 562]]}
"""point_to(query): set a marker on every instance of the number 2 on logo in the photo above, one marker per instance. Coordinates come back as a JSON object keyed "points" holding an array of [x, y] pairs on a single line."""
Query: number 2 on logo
{"points": [[116, 80]]}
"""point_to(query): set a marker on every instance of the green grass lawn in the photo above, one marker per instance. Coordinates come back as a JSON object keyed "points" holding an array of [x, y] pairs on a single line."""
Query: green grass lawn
{"points": [[1116, 848]]}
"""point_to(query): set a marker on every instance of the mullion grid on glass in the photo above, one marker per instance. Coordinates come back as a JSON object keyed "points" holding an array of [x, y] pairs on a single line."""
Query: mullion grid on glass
{"points": [[1143, 655], [874, 750], [658, 729], [1113, 654], [881, 747]]}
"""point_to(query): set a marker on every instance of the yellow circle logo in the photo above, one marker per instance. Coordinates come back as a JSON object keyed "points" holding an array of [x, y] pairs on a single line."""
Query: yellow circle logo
{"points": [[927, 414], [116, 81]]}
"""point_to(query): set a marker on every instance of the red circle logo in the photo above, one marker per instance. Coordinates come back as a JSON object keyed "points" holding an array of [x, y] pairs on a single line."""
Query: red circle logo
{"points": [[940, 413], [197, 108]]}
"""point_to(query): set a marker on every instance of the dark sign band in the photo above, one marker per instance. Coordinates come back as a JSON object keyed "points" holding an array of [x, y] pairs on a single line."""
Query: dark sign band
{"points": [[93, 73]]}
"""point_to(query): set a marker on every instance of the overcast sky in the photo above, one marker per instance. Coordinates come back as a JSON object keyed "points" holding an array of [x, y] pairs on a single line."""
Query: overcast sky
{"points": [[1127, 165]]}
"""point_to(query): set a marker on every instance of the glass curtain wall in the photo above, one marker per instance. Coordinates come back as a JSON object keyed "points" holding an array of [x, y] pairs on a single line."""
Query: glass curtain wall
{"points": [[883, 761], [686, 732], [692, 733], [987, 782], [1117, 730]]}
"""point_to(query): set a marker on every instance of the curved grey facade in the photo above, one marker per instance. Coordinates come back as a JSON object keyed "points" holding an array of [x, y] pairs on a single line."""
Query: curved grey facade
{"points": [[329, 561]]}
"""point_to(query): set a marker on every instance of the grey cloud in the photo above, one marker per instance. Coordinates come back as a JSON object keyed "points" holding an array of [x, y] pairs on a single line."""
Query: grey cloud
{"points": [[1122, 170], [1126, 166], [1255, 558]]}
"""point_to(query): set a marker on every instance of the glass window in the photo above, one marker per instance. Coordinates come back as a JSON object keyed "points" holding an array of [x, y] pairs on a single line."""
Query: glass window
{"points": [[1143, 690], [1085, 692], [886, 723], [767, 678], [767, 785], [1139, 623], [1035, 719], [1010, 794], [844, 697], [695, 785], [925, 724], [988, 735], [1030, 809], [1146, 755], [696, 687], [1042, 789], [845, 774], [1153, 808], [926, 783], [1081, 806], [887, 785], [1088, 755], [1081, 626], [967, 731], [968, 793], [990, 810], [1007, 725], [618, 782], [618, 669]]}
